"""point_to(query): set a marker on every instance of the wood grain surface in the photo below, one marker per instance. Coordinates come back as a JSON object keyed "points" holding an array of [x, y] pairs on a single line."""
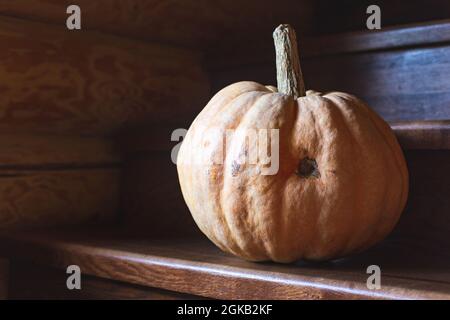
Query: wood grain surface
{"points": [[57, 81], [33, 281], [388, 38], [401, 85], [202, 23], [192, 23], [197, 267], [401, 73], [348, 14], [36, 198], [407, 84], [50, 151]]}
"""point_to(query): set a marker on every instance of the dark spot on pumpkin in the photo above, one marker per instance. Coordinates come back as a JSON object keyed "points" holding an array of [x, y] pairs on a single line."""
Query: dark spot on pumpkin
{"points": [[308, 168], [235, 167]]}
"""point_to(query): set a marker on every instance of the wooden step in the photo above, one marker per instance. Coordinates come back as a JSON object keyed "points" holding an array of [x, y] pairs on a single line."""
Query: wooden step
{"points": [[423, 135], [194, 266]]}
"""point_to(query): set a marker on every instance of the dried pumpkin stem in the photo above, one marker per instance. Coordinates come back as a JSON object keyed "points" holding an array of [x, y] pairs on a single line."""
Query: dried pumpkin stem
{"points": [[289, 73]]}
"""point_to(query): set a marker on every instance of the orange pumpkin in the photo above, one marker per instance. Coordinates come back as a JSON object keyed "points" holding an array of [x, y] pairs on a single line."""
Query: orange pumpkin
{"points": [[341, 182]]}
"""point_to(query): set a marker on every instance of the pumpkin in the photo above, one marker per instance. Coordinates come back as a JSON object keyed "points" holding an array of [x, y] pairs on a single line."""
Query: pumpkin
{"points": [[341, 182]]}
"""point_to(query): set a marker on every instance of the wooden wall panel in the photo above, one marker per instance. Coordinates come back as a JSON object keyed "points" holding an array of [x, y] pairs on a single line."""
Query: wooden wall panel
{"points": [[193, 23], [49, 151], [402, 72], [206, 24], [425, 34], [57, 81], [151, 197], [50, 180], [40, 198], [58, 88], [410, 84], [346, 15], [61, 93], [406, 84], [419, 246], [425, 226]]}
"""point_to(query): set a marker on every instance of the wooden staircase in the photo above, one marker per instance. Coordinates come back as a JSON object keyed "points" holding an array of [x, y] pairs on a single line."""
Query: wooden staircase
{"points": [[132, 235]]}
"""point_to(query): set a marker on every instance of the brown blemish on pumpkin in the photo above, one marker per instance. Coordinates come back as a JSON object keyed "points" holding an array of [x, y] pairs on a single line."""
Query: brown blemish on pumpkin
{"points": [[308, 168]]}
